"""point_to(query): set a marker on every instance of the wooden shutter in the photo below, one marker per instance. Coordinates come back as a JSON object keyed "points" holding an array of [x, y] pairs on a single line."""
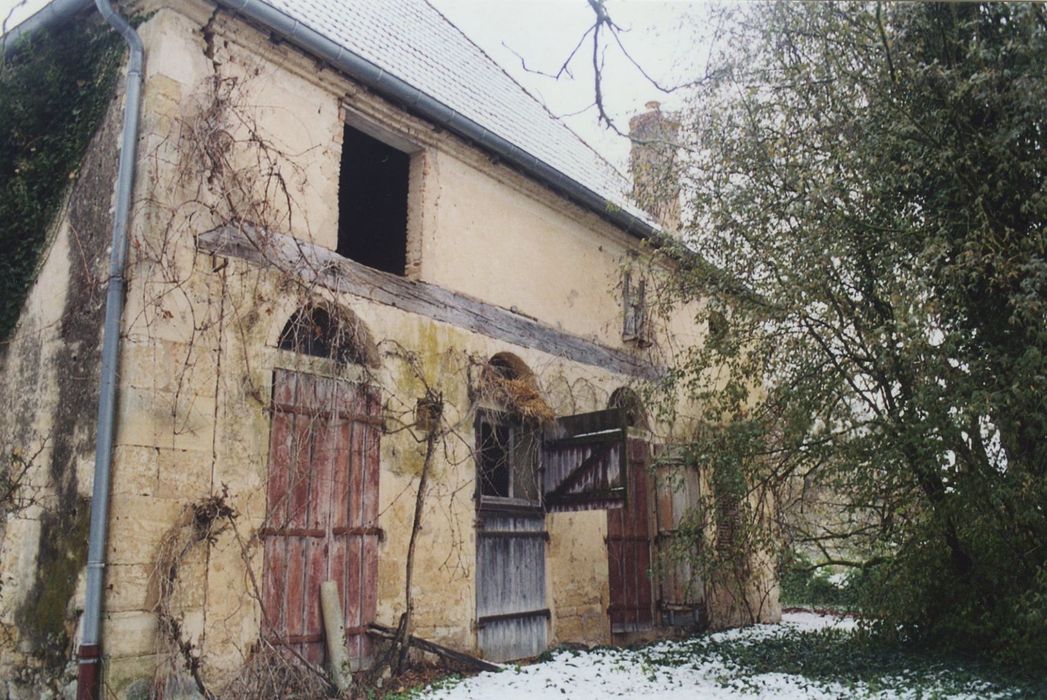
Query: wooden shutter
{"points": [[512, 615], [680, 590], [629, 547], [322, 510], [634, 309], [583, 460]]}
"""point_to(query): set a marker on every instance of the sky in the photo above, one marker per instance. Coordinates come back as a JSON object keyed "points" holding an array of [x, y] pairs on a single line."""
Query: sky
{"points": [[666, 37]]}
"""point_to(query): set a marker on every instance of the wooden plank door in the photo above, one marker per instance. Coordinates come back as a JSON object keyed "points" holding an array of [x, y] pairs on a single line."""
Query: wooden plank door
{"points": [[322, 510], [591, 462], [680, 591], [629, 547], [512, 615]]}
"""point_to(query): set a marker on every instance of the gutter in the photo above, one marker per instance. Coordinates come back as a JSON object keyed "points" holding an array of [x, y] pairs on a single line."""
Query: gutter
{"points": [[90, 637], [396, 90]]}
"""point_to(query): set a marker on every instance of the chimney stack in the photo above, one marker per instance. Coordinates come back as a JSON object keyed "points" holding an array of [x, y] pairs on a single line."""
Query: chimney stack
{"points": [[652, 163]]}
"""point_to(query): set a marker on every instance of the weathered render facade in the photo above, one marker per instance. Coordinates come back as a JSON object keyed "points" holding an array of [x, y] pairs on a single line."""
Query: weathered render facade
{"points": [[328, 295]]}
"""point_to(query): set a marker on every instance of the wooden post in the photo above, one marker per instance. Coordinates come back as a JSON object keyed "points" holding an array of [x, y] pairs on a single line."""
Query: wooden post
{"points": [[334, 630]]}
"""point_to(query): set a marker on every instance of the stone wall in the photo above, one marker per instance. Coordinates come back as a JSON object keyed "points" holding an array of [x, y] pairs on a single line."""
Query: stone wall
{"points": [[49, 373], [237, 129]]}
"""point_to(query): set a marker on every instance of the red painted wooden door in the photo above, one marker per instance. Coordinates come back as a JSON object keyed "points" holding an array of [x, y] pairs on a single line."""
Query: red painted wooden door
{"points": [[322, 510], [629, 547]]}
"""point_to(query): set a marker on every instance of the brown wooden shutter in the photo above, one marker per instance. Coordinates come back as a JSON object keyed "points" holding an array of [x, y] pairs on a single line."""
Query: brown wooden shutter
{"points": [[629, 545], [322, 510]]}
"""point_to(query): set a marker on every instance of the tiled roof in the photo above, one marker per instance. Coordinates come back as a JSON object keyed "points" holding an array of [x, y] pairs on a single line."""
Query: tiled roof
{"points": [[411, 40]]}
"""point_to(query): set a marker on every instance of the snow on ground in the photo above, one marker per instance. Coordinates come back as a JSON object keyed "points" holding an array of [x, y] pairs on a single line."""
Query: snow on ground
{"points": [[607, 673]]}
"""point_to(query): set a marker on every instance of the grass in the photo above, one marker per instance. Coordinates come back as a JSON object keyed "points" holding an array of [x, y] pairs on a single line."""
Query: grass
{"points": [[827, 657]]}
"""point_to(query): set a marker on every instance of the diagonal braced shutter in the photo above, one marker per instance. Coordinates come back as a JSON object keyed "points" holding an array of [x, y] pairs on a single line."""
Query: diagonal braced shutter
{"points": [[583, 461]]}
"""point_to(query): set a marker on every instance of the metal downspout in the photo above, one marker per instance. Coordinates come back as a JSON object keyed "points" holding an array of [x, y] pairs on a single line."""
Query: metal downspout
{"points": [[90, 639]]}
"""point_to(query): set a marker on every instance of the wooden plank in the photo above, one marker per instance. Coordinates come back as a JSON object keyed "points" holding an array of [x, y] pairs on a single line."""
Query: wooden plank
{"points": [[314, 264], [354, 545], [292, 532], [512, 533], [594, 422], [361, 531], [298, 487], [543, 612], [583, 440], [338, 548], [312, 622], [639, 452], [383, 632], [320, 477], [294, 639], [273, 584], [324, 412], [297, 591], [592, 475], [275, 551], [678, 491], [370, 544], [583, 460]]}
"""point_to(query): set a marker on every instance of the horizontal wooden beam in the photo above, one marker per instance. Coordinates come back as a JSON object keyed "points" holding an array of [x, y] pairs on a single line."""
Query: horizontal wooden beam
{"points": [[314, 264], [513, 534]]}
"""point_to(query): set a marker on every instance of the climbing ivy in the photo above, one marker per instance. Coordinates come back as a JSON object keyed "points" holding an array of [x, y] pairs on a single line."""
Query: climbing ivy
{"points": [[53, 94]]}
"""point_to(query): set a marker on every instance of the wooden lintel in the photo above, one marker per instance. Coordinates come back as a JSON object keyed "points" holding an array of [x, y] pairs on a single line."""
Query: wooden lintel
{"points": [[314, 264]]}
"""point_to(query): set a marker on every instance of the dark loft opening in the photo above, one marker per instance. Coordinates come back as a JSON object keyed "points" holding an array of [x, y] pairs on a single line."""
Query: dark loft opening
{"points": [[372, 202], [507, 457], [494, 459]]}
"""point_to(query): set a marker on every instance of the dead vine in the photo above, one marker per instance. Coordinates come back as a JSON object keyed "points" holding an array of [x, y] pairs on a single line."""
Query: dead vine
{"points": [[199, 525]]}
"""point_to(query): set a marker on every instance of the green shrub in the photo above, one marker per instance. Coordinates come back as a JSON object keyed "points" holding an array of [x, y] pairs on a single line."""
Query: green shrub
{"points": [[53, 94]]}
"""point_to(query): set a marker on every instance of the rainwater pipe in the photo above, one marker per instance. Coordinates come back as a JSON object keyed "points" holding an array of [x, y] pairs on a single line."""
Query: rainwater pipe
{"points": [[90, 652]]}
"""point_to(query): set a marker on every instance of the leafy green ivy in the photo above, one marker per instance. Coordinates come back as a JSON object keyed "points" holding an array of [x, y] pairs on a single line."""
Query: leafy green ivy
{"points": [[53, 95]]}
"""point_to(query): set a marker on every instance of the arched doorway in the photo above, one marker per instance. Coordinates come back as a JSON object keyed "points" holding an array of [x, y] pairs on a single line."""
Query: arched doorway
{"points": [[322, 487], [512, 616]]}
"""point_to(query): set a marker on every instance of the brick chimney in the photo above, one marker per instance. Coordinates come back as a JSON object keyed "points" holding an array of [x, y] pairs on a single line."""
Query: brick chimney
{"points": [[653, 165]]}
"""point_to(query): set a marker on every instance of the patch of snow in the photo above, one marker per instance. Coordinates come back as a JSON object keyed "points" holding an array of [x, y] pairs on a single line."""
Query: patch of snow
{"points": [[613, 674], [815, 621], [838, 579]]}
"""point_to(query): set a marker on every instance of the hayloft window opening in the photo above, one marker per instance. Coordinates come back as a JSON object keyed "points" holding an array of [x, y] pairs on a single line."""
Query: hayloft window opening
{"points": [[629, 403], [507, 433], [507, 457], [320, 332], [372, 202], [635, 322], [494, 455]]}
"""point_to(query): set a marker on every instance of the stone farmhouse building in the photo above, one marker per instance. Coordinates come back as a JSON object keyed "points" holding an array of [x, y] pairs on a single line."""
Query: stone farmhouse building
{"points": [[360, 257]]}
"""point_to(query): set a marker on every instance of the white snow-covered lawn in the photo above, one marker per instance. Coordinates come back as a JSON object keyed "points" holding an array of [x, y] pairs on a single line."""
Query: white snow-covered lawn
{"points": [[671, 670]]}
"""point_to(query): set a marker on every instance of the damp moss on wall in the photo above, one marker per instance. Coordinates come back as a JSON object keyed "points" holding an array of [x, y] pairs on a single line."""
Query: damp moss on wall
{"points": [[45, 617], [54, 91]]}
